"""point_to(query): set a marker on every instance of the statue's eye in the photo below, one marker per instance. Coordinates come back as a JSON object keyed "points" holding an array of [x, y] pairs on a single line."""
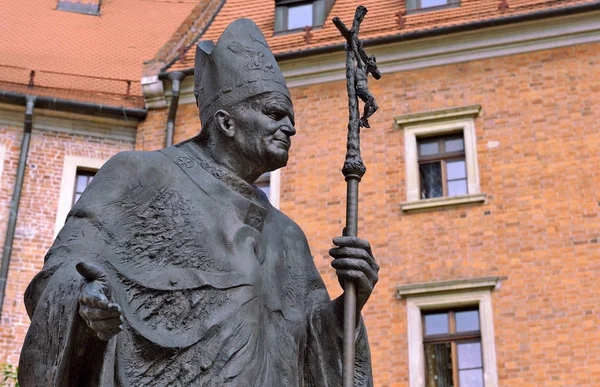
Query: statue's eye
{"points": [[275, 115]]}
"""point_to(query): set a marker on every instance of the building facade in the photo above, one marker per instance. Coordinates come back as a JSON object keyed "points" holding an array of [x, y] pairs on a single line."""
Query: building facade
{"points": [[481, 197]]}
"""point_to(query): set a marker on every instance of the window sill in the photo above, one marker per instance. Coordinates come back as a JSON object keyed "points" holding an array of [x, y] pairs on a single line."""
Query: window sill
{"points": [[427, 204]]}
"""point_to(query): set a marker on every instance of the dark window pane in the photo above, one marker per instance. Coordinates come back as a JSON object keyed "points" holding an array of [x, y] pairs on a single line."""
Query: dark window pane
{"points": [[300, 16], [429, 148], [469, 355], [455, 145], [433, 3], [456, 170], [467, 321], [439, 365], [457, 187], [471, 378], [431, 180], [436, 324]]}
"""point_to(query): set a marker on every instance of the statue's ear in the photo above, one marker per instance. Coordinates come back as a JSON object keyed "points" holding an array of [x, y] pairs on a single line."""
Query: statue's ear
{"points": [[225, 123]]}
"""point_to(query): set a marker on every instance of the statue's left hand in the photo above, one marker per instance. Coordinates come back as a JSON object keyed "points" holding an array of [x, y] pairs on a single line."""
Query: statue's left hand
{"points": [[354, 262], [101, 316]]}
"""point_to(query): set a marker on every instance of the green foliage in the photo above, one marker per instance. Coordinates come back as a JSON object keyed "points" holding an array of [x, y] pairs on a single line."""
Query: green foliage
{"points": [[8, 375]]}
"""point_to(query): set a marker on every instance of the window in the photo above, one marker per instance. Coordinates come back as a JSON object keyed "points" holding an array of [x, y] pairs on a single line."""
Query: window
{"points": [[86, 8], [269, 184], [442, 166], [73, 166], [294, 15], [83, 177], [452, 342], [430, 5], [451, 333], [441, 158]]}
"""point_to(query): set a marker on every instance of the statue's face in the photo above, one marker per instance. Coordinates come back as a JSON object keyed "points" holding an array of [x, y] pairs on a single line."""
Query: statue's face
{"points": [[265, 131]]}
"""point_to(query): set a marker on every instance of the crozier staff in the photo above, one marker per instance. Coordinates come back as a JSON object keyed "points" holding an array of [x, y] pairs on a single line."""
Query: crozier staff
{"points": [[358, 67], [174, 269]]}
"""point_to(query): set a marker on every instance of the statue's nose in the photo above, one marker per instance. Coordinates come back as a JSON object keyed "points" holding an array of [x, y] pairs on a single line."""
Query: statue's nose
{"points": [[287, 127]]}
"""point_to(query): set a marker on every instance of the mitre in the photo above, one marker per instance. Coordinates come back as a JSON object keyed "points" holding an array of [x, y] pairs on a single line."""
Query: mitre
{"points": [[239, 66]]}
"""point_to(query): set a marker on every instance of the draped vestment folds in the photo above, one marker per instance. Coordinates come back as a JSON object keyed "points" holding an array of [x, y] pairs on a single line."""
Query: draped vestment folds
{"points": [[216, 288]]}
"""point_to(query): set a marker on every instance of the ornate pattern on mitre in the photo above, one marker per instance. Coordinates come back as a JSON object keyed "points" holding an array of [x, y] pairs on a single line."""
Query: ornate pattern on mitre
{"points": [[239, 66]]}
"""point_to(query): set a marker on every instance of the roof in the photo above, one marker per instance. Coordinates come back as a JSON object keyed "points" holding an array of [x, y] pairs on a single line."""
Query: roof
{"points": [[85, 57], [383, 19]]}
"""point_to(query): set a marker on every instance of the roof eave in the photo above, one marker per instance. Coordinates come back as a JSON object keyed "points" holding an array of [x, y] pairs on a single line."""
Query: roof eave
{"points": [[415, 35]]}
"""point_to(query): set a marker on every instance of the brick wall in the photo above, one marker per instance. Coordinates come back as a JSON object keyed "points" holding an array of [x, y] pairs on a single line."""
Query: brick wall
{"points": [[539, 226], [37, 214]]}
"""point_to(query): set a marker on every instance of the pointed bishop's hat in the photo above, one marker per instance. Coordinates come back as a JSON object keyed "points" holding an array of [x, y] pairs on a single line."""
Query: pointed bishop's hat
{"points": [[239, 66]]}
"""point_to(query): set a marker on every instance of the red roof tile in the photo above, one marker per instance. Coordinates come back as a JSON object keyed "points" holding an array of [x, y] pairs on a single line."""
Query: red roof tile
{"points": [[380, 21], [67, 49]]}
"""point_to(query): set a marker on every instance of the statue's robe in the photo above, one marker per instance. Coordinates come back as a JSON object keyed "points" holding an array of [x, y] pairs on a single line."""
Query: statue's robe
{"points": [[216, 288]]}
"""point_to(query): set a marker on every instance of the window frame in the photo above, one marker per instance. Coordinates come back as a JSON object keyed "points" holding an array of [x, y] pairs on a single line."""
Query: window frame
{"points": [[443, 157], [447, 295], [78, 7], [89, 173], [67, 185], [453, 338], [282, 13], [274, 186], [2, 155], [414, 6], [433, 124]]}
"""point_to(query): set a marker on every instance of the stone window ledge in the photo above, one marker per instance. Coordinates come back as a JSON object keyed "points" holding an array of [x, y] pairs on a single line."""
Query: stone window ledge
{"points": [[429, 204], [429, 288]]}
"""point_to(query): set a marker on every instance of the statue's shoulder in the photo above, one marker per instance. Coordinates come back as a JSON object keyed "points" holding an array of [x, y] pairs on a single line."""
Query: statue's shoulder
{"points": [[128, 164], [284, 222]]}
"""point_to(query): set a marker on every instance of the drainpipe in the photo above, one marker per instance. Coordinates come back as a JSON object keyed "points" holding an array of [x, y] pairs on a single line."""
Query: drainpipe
{"points": [[14, 206], [176, 77]]}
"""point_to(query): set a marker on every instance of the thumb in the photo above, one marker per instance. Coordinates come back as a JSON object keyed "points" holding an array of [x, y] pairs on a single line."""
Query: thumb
{"points": [[90, 272]]}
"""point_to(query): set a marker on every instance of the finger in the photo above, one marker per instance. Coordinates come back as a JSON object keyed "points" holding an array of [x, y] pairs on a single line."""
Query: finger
{"points": [[351, 252], [108, 334], [341, 252], [105, 325], [115, 307], [90, 272], [355, 265], [350, 241], [98, 314], [357, 277], [94, 299]]}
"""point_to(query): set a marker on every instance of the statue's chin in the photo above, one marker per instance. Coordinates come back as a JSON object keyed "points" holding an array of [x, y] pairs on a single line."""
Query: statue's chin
{"points": [[278, 160]]}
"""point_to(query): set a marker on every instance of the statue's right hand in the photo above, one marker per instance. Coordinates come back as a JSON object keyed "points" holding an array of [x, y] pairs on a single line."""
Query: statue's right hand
{"points": [[102, 316]]}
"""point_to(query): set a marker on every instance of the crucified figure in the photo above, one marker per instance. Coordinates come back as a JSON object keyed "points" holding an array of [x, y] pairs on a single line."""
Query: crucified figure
{"points": [[362, 90]]}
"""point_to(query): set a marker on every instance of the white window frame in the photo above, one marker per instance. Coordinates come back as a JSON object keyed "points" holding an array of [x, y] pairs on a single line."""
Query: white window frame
{"points": [[67, 185], [447, 295], [274, 182], [274, 188], [2, 153], [437, 123]]}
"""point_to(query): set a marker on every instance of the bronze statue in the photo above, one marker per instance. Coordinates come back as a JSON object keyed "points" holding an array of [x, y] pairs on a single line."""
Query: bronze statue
{"points": [[174, 270]]}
